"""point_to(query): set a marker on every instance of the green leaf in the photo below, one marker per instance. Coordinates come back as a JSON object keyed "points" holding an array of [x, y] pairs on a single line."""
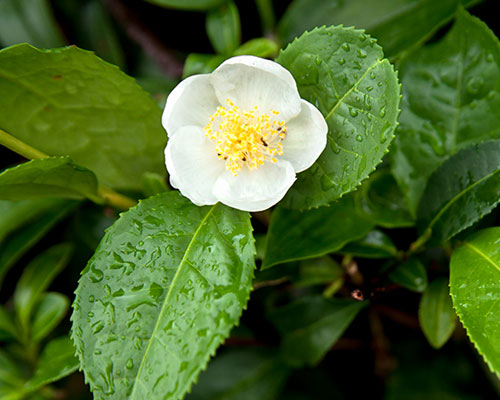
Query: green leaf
{"points": [[374, 245], [259, 47], [165, 286], [36, 277], [254, 374], [153, 184], [189, 4], [342, 72], [451, 99], [201, 64], [20, 241], [461, 191], [11, 378], [57, 361], [382, 200], [8, 328], [70, 102], [410, 274], [47, 177], [296, 235], [436, 315], [397, 25], [50, 310], [475, 291], [311, 325], [223, 28], [28, 21]]}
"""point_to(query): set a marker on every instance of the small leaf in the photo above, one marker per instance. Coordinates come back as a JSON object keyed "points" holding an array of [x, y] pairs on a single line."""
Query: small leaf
{"points": [[451, 100], [475, 291], [461, 191], [342, 71], [436, 314], [11, 378], [259, 47], [223, 28], [165, 286], [189, 4], [201, 64], [57, 361], [374, 245], [295, 235], [48, 313], [311, 325], [255, 374], [36, 277], [410, 274], [70, 102], [20, 241], [47, 177]]}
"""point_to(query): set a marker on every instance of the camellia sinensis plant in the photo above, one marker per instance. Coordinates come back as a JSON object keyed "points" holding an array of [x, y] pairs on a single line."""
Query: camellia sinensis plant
{"points": [[348, 179]]}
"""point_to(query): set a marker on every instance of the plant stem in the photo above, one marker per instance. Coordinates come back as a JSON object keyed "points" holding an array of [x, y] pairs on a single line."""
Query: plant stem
{"points": [[104, 194], [266, 13]]}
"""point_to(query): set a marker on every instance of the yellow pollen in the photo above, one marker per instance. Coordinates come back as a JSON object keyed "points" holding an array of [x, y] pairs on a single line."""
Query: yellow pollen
{"points": [[245, 137]]}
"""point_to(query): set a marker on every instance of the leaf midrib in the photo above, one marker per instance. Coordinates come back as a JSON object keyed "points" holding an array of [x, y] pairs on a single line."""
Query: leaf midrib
{"points": [[482, 254], [167, 298]]}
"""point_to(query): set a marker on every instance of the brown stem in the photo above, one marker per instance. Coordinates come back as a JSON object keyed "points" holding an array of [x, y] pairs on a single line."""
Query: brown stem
{"points": [[384, 362]]}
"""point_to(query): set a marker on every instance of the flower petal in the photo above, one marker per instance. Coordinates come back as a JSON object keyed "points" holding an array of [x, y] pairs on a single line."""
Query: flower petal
{"points": [[255, 190], [193, 165], [251, 81], [192, 102], [306, 137]]}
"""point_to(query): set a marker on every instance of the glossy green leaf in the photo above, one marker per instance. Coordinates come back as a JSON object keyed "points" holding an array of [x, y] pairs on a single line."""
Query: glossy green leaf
{"points": [[461, 191], [165, 286], [436, 315], [50, 310], [451, 99], [201, 64], [374, 245], [254, 374], [259, 47], [70, 102], [8, 328], [382, 200], [28, 21], [57, 361], [311, 325], [475, 291], [397, 25], [224, 28], [342, 71], [36, 277], [296, 235], [47, 177], [410, 274], [188, 4], [21, 240]]}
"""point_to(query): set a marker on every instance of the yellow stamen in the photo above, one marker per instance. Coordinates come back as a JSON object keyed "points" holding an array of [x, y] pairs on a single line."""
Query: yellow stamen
{"points": [[245, 137]]}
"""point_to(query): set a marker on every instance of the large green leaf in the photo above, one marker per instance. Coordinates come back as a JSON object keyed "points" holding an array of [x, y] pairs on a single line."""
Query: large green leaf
{"points": [[254, 374], [436, 315], [36, 277], [311, 325], [70, 102], [224, 28], [397, 24], [475, 291], [28, 21], [47, 177], [165, 286], [342, 71], [461, 191], [188, 4], [297, 235], [451, 99]]}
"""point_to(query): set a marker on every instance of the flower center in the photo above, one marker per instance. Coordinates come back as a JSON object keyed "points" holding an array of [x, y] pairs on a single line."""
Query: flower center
{"points": [[245, 137]]}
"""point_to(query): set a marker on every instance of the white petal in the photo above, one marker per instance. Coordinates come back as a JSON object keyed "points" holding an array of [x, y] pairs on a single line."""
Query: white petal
{"points": [[255, 190], [191, 102], [306, 137], [193, 165], [251, 81]]}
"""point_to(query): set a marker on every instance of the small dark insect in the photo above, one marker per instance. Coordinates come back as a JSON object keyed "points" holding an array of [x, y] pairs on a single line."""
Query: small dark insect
{"points": [[263, 142], [244, 159]]}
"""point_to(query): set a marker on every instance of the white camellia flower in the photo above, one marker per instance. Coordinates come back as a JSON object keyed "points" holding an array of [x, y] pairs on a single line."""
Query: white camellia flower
{"points": [[240, 134]]}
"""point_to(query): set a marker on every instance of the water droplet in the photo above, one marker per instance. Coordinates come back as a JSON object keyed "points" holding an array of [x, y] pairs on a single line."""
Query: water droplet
{"points": [[382, 111], [369, 88], [326, 183], [335, 148], [357, 65], [341, 61], [372, 75], [90, 314], [353, 112], [361, 53], [318, 60], [359, 138], [362, 37], [130, 364], [91, 299], [384, 135], [97, 352], [490, 57], [475, 84], [346, 47]]}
